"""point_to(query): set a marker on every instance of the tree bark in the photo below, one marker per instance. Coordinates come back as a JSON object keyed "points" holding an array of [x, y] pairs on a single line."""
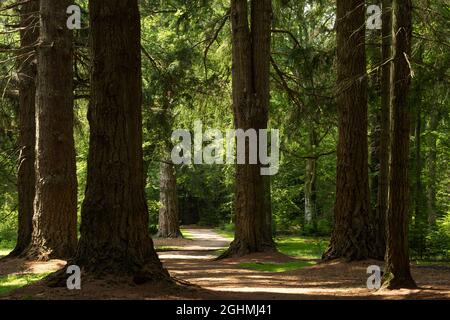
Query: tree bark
{"points": [[169, 221], [114, 230], [350, 237], [383, 173], [55, 205], [310, 179], [29, 35], [251, 62], [397, 268]]}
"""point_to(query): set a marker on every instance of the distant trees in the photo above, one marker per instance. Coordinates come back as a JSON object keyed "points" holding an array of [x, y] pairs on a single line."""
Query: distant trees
{"points": [[55, 205], [114, 226], [350, 237], [251, 62]]}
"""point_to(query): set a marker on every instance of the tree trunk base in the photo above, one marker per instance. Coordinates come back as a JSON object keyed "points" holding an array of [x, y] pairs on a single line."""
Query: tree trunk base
{"points": [[147, 274], [348, 255], [240, 248], [391, 282]]}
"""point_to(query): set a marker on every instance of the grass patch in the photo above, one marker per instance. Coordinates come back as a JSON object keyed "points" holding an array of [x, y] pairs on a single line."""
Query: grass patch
{"points": [[302, 247], [5, 251], [229, 235], [277, 267], [11, 282]]}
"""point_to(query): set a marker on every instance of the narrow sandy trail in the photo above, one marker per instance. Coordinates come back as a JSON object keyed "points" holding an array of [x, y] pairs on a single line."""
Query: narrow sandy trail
{"points": [[192, 260], [202, 243]]}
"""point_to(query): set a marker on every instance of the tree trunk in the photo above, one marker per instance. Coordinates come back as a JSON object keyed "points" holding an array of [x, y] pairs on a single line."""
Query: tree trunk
{"points": [[383, 173], [114, 230], [169, 221], [350, 238], [251, 61], [431, 189], [397, 272], [55, 206], [310, 180], [27, 123]]}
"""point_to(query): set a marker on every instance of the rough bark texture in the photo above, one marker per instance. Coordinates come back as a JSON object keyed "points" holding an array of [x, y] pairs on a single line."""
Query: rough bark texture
{"points": [[169, 221], [350, 238], [383, 173], [27, 124], [397, 272], [251, 61], [55, 206], [114, 227]]}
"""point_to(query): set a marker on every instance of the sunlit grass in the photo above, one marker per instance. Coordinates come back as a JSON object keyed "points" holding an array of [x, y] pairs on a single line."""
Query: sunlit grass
{"points": [[277, 267], [4, 251], [11, 282], [302, 247]]}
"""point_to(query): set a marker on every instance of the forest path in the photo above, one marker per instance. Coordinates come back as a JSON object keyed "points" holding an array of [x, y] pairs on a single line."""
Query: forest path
{"points": [[192, 260], [199, 243]]}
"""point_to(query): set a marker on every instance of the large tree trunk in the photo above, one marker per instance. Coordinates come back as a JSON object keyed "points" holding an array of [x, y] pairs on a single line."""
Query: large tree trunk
{"points": [[169, 221], [55, 205], [350, 238], [383, 173], [251, 61], [29, 35], [114, 229], [397, 272]]}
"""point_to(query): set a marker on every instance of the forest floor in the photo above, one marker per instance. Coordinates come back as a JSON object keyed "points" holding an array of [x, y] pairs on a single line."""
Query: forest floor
{"points": [[258, 276]]}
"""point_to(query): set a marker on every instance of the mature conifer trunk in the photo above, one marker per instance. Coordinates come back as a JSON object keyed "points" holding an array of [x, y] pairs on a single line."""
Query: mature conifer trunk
{"points": [[251, 58], [29, 34], [114, 228], [350, 238], [383, 173], [169, 221], [55, 205], [397, 272]]}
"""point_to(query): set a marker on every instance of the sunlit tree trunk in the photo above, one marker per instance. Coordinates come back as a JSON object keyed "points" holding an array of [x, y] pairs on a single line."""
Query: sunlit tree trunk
{"points": [[169, 221], [251, 61]]}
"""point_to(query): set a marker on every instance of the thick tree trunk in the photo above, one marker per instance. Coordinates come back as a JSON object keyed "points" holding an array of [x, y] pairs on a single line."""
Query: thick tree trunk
{"points": [[350, 238], [29, 35], [251, 61], [114, 230], [169, 221], [397, 272], [55, 206]]}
